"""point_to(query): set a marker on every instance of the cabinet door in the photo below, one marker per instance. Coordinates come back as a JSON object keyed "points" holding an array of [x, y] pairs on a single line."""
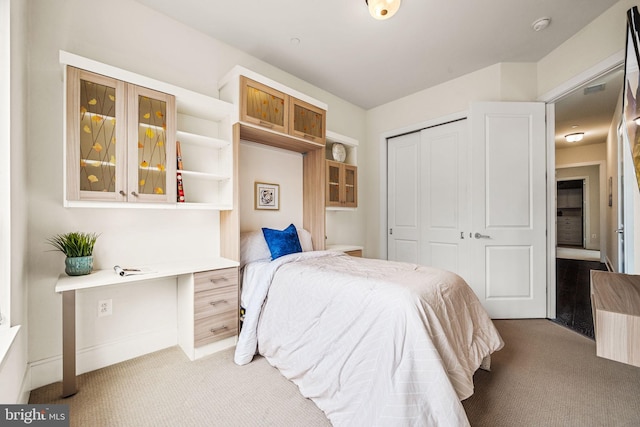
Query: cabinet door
{"points": [[333, 196], [96, 120], [262, 105], [152, 146], [306, 121], [350, 186]]}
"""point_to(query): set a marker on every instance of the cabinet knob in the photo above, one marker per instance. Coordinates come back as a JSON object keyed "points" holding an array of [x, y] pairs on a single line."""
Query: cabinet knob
{"points": [[122, 193], [134, 194]]}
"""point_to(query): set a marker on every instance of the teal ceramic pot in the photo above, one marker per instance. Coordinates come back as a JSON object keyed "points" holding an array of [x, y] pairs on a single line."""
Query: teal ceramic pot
{"points": [[78, 266]]}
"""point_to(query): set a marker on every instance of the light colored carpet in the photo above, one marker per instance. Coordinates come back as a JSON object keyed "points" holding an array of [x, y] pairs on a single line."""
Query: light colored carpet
{"points": [[546, 375]]}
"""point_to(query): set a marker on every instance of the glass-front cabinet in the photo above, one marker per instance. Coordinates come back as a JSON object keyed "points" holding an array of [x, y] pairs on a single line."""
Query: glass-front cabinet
{"points": [[341, 185], [151, 143], [263, 105], [120, 141], [307, 121]]}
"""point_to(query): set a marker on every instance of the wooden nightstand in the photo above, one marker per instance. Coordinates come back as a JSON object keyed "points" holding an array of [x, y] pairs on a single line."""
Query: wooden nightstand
{"points": [[352, 250]]}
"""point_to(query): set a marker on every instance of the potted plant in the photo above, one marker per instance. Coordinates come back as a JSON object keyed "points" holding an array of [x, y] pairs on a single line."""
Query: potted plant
{"points": [[78, 247]]}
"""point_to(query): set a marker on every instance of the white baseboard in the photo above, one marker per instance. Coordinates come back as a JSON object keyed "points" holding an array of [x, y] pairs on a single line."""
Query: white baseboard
{"points": [[49, 370]]}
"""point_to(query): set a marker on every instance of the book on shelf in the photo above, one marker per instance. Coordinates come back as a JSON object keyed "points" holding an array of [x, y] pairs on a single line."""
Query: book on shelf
{"points": [[181, 198]]}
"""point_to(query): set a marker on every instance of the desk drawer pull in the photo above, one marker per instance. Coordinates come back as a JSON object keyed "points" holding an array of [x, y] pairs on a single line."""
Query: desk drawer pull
{"points": [[222, 301], [216, 330], [222, 279]]}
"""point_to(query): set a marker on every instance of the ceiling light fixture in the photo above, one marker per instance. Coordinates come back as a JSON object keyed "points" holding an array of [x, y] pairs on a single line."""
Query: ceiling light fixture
{"points": [[383, 9], [574, 137]]}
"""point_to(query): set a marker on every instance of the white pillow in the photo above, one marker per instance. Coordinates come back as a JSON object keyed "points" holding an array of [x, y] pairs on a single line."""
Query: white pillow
{"points": [[253, 247], [305, 240]]}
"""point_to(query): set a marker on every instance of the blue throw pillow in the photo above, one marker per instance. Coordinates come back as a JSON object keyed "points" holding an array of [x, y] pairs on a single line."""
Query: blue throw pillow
{"points": [[283, 242]]}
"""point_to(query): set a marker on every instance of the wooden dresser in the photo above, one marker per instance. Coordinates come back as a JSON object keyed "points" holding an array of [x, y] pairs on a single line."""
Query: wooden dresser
{"points": [[615, 301], [215, 301]]}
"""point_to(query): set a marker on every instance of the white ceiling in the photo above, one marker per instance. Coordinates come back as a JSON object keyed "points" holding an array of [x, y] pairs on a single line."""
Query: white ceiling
{"points": [[343, 50], [589, 109]]}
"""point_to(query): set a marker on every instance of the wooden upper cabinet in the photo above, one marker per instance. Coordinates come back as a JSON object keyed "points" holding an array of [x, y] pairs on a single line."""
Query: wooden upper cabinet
{"points": [[263, 105], [342, 185], [285, 116], [307, 121], [120, 141]]}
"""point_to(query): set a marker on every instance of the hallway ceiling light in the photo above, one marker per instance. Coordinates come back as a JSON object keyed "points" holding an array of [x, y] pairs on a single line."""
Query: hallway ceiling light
{"points": [[574, 137], [383, 9]]}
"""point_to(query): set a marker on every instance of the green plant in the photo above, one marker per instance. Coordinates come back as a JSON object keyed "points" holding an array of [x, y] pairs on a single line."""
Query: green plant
{"points": [[74, 244]]}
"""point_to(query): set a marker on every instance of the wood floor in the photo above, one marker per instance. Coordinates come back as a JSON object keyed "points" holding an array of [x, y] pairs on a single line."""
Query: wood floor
{"points": [[573, 299]]}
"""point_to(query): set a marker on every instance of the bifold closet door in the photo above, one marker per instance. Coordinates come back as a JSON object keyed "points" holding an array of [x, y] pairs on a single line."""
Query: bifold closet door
{"points": [[427, 197]]}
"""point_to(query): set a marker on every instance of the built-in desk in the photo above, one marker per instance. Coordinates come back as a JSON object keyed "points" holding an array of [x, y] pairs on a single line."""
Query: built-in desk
{"points": [[615, 301], [185, 273]]}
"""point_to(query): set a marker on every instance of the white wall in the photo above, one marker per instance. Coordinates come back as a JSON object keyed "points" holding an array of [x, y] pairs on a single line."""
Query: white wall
{"points": [[14, 225], [260, 163], [124, 34]]}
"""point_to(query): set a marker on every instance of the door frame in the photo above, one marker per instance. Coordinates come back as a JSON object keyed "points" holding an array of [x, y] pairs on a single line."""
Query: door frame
{"points": [[602, 182], [608, 64], [584, 223]]}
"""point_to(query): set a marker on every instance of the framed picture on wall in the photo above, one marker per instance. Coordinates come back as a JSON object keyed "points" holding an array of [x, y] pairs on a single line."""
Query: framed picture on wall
{"points": [[267, 196]]}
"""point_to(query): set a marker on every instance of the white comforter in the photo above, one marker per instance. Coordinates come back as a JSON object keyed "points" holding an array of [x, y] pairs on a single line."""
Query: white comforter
{"points": [[372, 343]]}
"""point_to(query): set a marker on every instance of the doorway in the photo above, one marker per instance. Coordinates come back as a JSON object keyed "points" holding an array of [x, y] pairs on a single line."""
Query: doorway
{"points": [[570, 220]]}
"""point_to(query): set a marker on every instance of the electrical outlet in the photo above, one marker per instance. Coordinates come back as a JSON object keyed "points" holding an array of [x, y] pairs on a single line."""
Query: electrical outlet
{"points": [[105, 307]]}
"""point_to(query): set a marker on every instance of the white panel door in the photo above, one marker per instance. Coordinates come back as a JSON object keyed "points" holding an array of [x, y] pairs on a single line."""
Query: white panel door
{"points": [[508, 208], [403, 187], [444, 209]]}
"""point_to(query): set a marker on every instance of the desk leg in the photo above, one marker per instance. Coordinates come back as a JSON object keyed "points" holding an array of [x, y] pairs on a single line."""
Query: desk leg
{"points": [[69, 384]]}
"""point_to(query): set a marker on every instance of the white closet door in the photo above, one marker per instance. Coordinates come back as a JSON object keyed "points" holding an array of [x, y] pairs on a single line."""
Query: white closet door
{"points": [[508, 189], [403, 188], [444, 210]]}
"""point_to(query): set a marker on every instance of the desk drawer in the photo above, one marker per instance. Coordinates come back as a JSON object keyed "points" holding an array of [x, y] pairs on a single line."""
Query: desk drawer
{"points": [[216, 301], [208, 280], [215, 328]]}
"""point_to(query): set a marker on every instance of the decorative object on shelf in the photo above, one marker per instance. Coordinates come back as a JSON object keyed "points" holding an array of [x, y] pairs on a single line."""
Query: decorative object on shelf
{"points": [[267, 196], [78, 247], [383, 9], [181, 198], [338, 152]]}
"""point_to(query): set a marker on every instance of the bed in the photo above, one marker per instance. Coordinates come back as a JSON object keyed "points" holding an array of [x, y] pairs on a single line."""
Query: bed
{"points": [[371, 342]]}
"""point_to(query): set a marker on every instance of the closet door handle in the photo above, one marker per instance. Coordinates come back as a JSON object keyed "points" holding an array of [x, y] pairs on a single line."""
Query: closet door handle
{"points": [[481, 236]]}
